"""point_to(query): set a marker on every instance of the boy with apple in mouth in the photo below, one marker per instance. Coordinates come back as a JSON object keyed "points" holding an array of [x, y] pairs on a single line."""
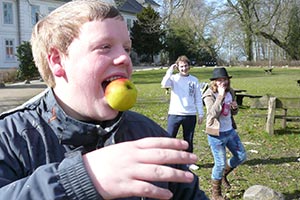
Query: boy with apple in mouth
{"points": [[71, 141]]}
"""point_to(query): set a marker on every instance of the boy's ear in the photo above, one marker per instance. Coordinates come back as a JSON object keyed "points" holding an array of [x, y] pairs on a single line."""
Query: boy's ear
{"points": [[54, 61]]}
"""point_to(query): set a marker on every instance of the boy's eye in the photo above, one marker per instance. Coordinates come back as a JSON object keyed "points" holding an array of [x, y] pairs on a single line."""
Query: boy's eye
{"points": [[183, 66], [127, 49], [105, 46]]}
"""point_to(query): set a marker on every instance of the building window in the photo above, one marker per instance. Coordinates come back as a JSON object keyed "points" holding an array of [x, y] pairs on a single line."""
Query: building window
{"points": [[9, 49], [8, 13], [35, 13], [129, 23]]}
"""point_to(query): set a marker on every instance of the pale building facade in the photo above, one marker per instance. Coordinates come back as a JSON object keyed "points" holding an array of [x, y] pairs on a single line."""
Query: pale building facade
{"points": [[17, 18]]}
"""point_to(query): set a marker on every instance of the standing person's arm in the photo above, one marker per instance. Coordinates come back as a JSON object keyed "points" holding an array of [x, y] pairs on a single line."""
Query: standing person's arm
{"points": [[166, 81], [199, 104], [234, 105]]}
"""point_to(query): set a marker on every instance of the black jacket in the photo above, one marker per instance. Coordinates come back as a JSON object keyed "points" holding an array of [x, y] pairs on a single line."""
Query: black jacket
{"points": [[41, 148]]}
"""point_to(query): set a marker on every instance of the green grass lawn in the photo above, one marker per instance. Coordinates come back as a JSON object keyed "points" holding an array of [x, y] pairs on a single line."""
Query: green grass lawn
{"points": [[273, 161]]}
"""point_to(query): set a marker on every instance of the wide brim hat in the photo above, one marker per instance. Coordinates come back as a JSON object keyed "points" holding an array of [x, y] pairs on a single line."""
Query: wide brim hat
{"points": [[220, 72]]}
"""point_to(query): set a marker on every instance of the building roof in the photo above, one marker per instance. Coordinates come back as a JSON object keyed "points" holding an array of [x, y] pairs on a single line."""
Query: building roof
{"points": [[132, 6], [152, 2]]}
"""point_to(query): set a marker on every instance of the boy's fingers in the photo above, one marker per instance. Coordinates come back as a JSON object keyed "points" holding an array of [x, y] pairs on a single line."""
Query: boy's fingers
{"points": [[162, 142]]}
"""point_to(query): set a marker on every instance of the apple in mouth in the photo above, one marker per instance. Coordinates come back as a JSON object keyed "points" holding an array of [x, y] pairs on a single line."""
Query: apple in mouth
{"points": [[121, 94]]}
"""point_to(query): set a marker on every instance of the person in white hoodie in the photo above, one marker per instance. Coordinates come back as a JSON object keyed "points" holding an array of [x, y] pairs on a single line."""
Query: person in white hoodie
{"points": [[185, 101]]}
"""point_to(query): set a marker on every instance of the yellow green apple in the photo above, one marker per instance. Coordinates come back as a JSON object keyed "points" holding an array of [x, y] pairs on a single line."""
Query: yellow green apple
{"points": [[121, 94]]}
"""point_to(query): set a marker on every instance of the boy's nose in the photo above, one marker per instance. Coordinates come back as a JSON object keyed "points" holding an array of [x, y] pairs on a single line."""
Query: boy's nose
{"points": [[122, 59]]}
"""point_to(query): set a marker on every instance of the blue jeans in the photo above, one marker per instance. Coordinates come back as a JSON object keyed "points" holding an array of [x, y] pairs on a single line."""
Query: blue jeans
{"points": [[218, 144], [188, 123]]}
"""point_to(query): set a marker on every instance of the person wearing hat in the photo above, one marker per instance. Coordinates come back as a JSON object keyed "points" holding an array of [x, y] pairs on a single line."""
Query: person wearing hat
{"points": [[220, 103]]}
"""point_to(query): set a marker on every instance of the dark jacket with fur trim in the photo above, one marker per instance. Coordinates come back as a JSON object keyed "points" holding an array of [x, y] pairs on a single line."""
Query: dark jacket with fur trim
{"points": [[41, 151]]}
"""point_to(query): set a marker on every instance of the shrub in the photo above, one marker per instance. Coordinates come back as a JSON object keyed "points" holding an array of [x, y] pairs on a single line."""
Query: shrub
{"points": [[8, 75], [27, 69]]}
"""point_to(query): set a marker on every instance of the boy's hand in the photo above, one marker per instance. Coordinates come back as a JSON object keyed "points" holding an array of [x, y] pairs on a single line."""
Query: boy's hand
{"points": [[200, 120], [126, 169], [174, 66]]}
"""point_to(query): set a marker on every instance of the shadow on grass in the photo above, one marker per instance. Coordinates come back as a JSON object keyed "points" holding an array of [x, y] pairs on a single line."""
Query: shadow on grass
{"points": [[294, 195], [287, 131], [205, 165], [257, 161], [274, 161]]}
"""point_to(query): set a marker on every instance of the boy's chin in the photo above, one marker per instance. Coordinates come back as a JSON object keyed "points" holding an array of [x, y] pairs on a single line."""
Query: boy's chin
{"points": [[184, 73], [111, 113]]}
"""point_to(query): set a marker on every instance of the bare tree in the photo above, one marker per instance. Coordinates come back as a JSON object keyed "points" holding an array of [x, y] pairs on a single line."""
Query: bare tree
{"points": [[169, 9], [265, 18], [196, 16]]}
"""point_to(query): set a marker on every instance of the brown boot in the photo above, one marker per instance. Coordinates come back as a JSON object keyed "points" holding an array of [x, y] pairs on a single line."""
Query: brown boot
{"points": [[225, 181], [216, 190]]}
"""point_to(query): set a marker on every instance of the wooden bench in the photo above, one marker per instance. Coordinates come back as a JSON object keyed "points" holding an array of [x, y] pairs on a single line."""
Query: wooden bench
{"points": [[240, 97], [268, 71], [274, 103], [167, 90]]}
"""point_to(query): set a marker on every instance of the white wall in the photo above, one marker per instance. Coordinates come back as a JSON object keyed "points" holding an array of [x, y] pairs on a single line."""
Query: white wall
{"points": [[7, 32], [22, 25]]}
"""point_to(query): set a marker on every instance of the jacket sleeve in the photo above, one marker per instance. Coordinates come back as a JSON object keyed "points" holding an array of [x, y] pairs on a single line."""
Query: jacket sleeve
{"points": [[20, 180], [166, 81], [213, 104]]}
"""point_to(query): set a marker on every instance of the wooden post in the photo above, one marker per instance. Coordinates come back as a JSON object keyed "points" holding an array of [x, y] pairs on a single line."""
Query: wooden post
{"points": [[284, 118], [271, 115]]}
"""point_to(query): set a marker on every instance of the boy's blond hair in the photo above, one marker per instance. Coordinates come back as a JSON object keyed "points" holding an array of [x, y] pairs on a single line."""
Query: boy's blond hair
{"points": [[60, 27]]}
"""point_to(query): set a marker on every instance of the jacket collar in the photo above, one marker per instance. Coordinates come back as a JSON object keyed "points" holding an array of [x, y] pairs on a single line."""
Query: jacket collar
{"points": [[74, 132]]}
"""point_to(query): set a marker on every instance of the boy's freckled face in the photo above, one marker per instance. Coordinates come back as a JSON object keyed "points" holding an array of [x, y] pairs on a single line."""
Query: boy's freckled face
{"points": [[100, 52]]}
